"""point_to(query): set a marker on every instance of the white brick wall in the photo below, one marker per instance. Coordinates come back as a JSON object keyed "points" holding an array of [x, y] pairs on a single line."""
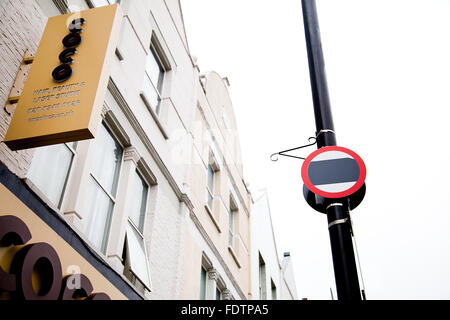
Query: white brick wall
{"points": [[164, 244], [21, 23]]}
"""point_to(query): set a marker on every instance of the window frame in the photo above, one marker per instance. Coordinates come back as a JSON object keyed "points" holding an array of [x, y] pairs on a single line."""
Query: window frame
{"points": [[148, 186], [74, 155], [104, 246], [203, 286], [231, 225], [214, 165], [62, 196], [157, 55], [218, 293], [232, 211], [273, 290], [220, 286], [139, 168], [128, 269], [262, 272], [117, 174], [209, 192]]}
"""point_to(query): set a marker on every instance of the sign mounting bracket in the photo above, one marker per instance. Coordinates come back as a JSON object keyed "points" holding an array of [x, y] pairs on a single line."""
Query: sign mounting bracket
{"points": [[274, 156], [19, 82]]}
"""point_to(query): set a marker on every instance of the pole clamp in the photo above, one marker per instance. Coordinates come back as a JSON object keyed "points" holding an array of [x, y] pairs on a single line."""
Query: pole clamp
{"points": [[335, 204], [325, 131], [338, 221]]}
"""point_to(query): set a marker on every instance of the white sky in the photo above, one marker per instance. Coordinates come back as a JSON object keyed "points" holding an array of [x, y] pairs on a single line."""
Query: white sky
{"points": [[388, 69]]}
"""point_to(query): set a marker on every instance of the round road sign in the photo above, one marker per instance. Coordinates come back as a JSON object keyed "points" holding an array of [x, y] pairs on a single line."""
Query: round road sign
{"points": [[333, 172]]}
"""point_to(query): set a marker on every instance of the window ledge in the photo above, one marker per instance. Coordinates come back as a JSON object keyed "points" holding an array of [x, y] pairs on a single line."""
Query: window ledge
{"points": [[154, 115], [234, 255], [119, 54], [216, 223]]}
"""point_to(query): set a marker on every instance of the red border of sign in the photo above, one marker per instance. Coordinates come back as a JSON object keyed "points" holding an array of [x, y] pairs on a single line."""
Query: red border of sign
{"points": [[353, 189]]}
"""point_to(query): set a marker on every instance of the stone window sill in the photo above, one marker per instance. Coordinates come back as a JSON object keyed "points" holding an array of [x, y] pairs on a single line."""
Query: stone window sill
{"points": [[216, 223], [234, 255]]}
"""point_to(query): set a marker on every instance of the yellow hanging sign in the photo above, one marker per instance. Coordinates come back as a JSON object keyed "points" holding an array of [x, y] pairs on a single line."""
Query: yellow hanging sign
{"points": [[63, 95]]}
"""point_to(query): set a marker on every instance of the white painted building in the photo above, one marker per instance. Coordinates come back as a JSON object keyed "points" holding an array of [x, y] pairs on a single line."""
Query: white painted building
{"points": [[124, 192], [270, 278], [217, 235], [157, 201]]}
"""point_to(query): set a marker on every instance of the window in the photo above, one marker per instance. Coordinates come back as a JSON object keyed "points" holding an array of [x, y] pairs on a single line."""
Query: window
{"points": [[101, 3], [218, 294], [50, 170], [262, 279], [102, 186], [139, 192], [210, 187], [274, 290], [153, 80], [203, 284], [136, 258], [231, 227], [231, 221], [136, 263], [211, 170]]}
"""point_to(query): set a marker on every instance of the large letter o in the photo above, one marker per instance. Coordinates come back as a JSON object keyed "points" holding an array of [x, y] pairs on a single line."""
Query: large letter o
{"points": [[42, 256]]}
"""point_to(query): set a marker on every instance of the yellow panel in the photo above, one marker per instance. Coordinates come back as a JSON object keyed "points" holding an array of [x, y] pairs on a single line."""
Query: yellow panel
{"points": [[41, 232], [49, 112]]}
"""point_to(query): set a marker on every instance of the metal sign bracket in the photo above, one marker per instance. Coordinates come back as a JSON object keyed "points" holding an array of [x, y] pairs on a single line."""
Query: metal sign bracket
{"points": [[274, 156], [19, 82]]}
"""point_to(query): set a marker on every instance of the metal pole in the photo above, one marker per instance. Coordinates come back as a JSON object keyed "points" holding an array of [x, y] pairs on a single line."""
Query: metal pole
{"points": [[345, 272]]}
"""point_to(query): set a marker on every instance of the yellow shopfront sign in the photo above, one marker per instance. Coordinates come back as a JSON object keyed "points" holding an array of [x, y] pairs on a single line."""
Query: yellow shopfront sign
{"points": [[64, 92], [36, 263]]}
